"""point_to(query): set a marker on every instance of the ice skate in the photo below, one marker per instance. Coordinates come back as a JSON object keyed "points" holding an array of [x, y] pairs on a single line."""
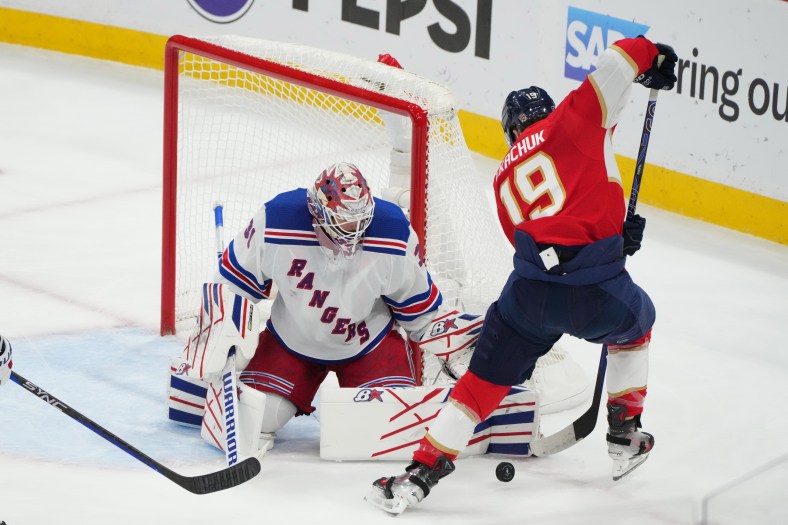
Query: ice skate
{"points": [[395, 494], [627, 446]]}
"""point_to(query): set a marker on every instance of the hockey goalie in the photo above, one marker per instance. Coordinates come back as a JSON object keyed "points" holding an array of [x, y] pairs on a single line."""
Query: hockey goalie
{"points": [[353, 292]]}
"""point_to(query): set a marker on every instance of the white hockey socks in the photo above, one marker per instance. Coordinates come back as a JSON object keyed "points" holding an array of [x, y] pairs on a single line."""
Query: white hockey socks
{"points": [[627, 375], [452, 429]]}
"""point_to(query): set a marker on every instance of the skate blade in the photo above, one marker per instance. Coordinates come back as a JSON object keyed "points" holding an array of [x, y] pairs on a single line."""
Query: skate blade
{"points": [[395, 505], [623, 467]]}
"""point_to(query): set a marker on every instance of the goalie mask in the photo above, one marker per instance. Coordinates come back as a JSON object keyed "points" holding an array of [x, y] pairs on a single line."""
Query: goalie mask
{"points": [[522, 108], [341, 205]]}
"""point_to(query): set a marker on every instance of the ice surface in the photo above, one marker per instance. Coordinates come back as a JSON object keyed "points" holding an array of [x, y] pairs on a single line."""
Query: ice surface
{"points": [[80, 207]]}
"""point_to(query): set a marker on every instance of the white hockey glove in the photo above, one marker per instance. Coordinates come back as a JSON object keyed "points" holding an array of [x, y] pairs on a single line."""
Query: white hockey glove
{"points": [[226, 320], [447, 345], [5, 360]]}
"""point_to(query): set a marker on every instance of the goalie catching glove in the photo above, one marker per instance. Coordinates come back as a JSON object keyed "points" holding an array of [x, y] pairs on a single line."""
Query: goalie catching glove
{"points": [[226, 320], [449, 340]]}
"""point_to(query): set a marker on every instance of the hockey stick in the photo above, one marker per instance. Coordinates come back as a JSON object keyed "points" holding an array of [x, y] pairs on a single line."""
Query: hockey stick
{"points": [[581, 427], [651, 106], [218, 221], [204, 484], [584, 425], [227, 381]]}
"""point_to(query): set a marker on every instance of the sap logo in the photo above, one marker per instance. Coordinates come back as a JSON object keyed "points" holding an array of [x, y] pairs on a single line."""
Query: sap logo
{"points": [[221, 11], [588, 34]]}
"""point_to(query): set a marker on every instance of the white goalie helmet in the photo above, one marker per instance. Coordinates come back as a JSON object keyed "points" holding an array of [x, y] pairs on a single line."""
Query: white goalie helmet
{"points": [[341, 204]]}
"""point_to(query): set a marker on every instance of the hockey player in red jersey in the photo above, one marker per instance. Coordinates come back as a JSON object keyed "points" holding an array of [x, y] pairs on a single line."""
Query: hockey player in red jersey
{"points": [[561, 203]]}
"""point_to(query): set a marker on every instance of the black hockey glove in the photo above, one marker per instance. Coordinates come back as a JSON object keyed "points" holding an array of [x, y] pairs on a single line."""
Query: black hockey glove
{"points": [[633, 234], [660, 76]]}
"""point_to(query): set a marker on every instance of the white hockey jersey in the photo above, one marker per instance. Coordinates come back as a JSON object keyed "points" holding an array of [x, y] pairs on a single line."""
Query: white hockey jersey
{"points": [[329, 309]]}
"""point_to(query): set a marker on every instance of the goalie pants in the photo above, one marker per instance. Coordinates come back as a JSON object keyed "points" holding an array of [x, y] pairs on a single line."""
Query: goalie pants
{"points": [[276, 370], [536, 308]]}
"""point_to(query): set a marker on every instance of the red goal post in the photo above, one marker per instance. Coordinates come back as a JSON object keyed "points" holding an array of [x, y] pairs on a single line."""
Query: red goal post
{"points": [[245, 119]]}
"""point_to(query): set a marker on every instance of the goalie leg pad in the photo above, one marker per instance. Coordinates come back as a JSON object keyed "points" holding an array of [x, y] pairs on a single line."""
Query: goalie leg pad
{"points": [[186, 396], [513, 423], [395, 420], [249, 420]]}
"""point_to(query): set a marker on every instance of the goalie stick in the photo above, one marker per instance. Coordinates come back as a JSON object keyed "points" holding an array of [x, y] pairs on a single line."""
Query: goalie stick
{"points": [[229, 382], [584, 425], [204, 484], [218, 221]]}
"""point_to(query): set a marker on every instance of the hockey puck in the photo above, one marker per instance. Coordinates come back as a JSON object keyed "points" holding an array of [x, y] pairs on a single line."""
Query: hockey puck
{"points": [[504, 472]]}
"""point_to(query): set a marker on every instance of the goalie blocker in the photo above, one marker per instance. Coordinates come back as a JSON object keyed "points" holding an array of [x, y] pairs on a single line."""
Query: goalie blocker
{"points": [[204, 387]]}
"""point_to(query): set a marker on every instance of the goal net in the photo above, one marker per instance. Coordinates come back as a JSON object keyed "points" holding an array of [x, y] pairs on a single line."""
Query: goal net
{"points": [[246, 119]]}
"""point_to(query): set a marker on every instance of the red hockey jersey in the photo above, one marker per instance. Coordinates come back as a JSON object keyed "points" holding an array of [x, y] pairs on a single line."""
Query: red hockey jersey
{"points": [[559, 181]]}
